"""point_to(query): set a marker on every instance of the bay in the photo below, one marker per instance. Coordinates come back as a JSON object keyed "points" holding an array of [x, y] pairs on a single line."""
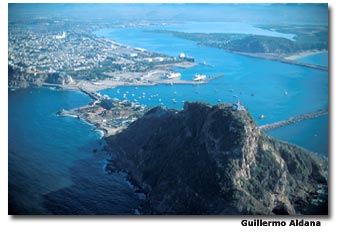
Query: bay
{"points": [[52, 166], [276, 90]]}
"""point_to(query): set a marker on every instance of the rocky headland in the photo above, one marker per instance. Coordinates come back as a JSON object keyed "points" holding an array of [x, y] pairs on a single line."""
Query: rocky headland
{"points": [[215, 160], [20, 78]]}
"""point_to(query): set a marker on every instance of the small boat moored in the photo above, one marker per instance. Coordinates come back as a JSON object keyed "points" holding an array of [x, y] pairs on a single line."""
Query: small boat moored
{"points": [[200, 77], [172, 75], [262, 116]]}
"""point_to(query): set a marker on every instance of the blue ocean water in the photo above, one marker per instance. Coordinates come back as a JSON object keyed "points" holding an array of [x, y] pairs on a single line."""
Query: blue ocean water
{"points": [[318, 59], [275, 89], [52, 167], [311, 133]]}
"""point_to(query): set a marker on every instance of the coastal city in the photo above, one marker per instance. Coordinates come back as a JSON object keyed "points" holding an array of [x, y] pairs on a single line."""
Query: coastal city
{"points": [[73, 57], [168, 109], [87, 57], [82, 61]]}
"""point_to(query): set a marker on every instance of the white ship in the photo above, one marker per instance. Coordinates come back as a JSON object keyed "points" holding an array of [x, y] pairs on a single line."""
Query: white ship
{"points": [[200, 77], [172, 75]]}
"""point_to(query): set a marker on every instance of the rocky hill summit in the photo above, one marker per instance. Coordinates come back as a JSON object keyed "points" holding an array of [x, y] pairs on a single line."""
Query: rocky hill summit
{"points": [[215, 160]]}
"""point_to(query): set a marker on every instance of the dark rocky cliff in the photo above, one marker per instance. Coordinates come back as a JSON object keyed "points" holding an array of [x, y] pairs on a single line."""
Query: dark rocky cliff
{"points": [[214, 160], [18, 77]]}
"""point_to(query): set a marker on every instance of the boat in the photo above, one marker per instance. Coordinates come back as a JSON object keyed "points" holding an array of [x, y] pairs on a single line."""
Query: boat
{"points": [[172, 75], [200, 77], [262, 116], [182, 56]]}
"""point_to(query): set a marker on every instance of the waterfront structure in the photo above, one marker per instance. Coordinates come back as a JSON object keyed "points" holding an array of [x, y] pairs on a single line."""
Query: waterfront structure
{"points": [[238, 106]]}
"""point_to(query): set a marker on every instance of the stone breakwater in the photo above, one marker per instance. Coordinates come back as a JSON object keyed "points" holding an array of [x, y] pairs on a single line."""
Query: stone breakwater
{"points": [[293, 120], [283, 60]]}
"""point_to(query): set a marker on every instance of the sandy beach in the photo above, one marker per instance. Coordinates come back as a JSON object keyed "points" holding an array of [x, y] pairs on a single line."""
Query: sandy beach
{"points": [[304, 54]]}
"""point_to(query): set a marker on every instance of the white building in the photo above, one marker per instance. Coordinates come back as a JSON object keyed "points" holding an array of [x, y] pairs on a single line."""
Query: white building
{"points": [[63, 36]]}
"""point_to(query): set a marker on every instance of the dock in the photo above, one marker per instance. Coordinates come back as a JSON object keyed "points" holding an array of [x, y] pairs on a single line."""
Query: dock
{"points": [[293, 120]]}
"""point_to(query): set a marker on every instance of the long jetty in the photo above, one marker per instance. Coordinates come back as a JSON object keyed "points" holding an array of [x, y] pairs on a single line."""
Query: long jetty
{"points": [[93, 95], [295, 119], [215, 77], [314, 66], [283, 60]]}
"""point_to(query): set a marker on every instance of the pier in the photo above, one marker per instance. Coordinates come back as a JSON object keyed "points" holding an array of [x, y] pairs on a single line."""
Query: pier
{"points": [[293, 120], [92, 95], [215, 77]]}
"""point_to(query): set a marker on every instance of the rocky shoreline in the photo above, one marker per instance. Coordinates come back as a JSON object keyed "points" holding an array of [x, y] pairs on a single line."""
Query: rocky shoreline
{"points": [[111, 116], [214, 160], [266, 176]]}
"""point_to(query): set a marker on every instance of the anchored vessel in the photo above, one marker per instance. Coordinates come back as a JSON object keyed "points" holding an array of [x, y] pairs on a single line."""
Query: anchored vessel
{"points": [[200, 77], [172, 75]]}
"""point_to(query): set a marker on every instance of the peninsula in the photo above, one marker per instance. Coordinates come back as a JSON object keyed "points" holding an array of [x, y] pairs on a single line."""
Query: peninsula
{"points": [[215, 160], [307, 40]]}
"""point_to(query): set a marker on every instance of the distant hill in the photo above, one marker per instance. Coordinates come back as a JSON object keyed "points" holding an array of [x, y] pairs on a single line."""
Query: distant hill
{"points": [[215, 160], [307, 38]]}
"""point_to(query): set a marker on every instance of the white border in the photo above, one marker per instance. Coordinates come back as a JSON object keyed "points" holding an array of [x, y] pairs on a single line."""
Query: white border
{"points": [[138, 224]]}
